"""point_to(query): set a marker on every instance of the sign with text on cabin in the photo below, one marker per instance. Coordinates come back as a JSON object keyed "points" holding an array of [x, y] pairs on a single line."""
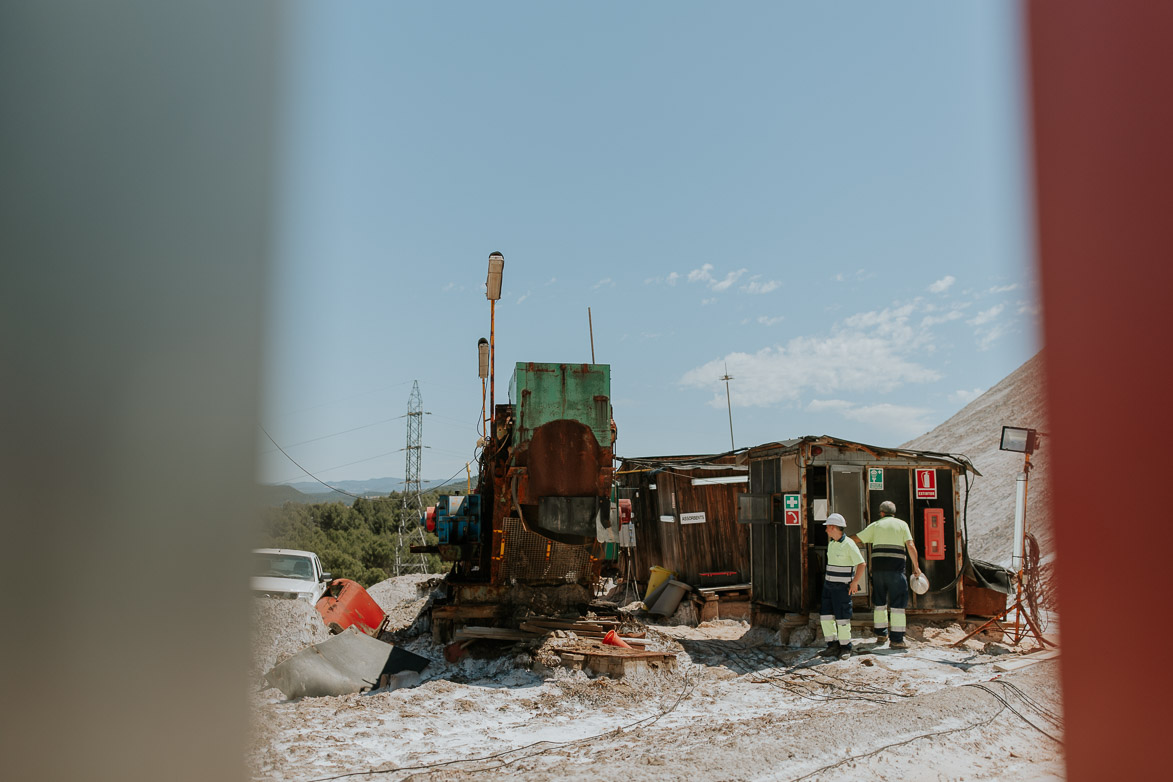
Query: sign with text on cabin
{"points": [[926, 483], [692, 518], [790, 506], [875, 478]]}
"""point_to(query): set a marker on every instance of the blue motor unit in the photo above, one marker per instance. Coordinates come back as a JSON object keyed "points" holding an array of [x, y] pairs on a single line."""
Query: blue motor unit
{"points": [[458, 519]]}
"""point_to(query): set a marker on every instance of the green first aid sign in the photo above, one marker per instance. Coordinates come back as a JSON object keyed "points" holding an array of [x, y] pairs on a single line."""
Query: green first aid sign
{"points": [[875, 478], [790, 504]]}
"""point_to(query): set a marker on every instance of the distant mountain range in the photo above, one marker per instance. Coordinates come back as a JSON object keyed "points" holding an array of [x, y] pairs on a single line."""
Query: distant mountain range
{"points": [[312, 491]]}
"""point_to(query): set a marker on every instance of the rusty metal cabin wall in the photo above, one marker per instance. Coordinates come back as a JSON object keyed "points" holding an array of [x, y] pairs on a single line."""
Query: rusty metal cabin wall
{"points": [[780, 572], [717, 544]]}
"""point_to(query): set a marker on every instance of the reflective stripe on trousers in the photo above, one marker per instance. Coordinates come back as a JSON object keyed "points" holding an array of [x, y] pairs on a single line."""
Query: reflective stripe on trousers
{"points": [[835, 629], [890, 591]]}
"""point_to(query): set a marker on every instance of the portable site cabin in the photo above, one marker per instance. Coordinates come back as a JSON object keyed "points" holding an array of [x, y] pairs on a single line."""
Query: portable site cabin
{"points": [[795, 484], [685, 509]]}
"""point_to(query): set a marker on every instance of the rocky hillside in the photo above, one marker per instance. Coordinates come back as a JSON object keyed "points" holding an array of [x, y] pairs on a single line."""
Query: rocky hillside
{"points": [[1018, 400]]}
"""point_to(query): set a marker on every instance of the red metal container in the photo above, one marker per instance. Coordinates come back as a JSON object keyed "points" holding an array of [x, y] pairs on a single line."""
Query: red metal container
{"points": [[347, 604]]}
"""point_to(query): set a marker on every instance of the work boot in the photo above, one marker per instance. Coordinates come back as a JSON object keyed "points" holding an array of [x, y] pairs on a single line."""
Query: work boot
{"points": [[832, 650], [881, 641], [845, 652], [901, 644]]}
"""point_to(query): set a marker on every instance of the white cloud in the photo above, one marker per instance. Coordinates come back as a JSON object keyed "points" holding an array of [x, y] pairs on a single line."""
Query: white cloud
{"points": [[943, 284], [523, 297], [728, 281], [856, 276], [766, 320], [671, 279], [552, 281], [901, 421], [987, 337], [985, 316], [964, 397], [934, 320], [606, 281], [448, 287], [871, 352], [705, 275], [707, 302], [987, 328], [761, 287], [820, 405], [1004, 288]]}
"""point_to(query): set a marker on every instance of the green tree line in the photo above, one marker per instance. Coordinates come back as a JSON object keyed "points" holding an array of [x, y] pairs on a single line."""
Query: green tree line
{"points": [[362, 541]]}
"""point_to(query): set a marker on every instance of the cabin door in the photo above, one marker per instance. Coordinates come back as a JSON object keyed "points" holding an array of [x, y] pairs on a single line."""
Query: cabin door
{"points": [[847, 498]]}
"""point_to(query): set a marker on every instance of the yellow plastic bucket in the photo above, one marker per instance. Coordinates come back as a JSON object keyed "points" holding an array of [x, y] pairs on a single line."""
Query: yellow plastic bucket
{"points": [[659, 575]]}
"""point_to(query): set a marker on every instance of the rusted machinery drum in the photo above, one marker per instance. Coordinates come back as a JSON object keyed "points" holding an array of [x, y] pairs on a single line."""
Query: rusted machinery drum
{"points": [[564, 460]]}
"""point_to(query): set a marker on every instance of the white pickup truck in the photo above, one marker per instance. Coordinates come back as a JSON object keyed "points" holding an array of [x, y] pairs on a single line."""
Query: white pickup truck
{"points": [[289, 574]]}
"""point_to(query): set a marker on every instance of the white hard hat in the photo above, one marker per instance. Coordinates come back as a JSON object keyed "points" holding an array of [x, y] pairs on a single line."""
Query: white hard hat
{"points": [[835, 520], [919, 583]]}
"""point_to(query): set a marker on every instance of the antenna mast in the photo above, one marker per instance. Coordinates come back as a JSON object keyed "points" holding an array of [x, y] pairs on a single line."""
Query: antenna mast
{"points": [[727, 377]]}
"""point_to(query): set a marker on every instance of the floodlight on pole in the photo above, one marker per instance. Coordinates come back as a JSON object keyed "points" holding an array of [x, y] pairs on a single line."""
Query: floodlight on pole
{"points": [[493, 293], [1017, 439], [493, 282], [483, 358], [483, 372]]}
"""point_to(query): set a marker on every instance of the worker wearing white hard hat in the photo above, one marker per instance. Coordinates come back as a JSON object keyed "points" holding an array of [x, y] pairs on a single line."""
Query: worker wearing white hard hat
{"points": [[844, 570], [892, 550]]}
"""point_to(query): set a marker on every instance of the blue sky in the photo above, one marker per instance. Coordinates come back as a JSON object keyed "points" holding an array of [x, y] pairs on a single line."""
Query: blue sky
{"points": [[830, 199]]}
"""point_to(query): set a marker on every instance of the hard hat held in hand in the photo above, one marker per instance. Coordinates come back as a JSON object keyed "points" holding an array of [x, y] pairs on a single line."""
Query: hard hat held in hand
{"points": [[919, 584]]}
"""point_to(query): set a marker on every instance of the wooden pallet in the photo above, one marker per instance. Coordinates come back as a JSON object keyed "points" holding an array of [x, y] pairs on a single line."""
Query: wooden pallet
{"points": [[614, 661]]}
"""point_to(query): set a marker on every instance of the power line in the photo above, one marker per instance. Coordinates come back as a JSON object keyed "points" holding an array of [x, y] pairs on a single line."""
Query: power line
{"points": [[307, 472], [344, 431]]}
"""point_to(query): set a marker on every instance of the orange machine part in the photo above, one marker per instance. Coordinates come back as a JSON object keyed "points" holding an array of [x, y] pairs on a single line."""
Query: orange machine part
{"points": [[934, 533], [347, 604]]}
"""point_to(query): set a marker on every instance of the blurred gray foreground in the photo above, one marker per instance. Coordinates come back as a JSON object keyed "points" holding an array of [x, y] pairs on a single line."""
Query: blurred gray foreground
{"points": [[135, 172]]}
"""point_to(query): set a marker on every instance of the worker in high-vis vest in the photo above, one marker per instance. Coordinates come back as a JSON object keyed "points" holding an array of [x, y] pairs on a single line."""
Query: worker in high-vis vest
{"points": [[844, 570], [892, 550]]}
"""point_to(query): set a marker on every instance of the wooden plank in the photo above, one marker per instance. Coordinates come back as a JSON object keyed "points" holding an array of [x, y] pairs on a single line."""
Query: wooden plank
{"points": [[1026, 661], [730, 588], [467, 611], [492, 633]]}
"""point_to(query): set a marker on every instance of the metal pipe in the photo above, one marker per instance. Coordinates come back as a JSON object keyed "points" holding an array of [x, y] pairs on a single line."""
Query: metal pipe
{"points": [[1019, 521], [492, 368], [591, 326]]}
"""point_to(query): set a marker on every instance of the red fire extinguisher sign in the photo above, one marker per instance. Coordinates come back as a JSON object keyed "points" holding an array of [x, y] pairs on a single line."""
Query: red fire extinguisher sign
{"points": [[926, 484]]}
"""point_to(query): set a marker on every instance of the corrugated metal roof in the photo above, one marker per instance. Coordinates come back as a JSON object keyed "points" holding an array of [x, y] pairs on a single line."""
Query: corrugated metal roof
{"points": [[787, 446]]}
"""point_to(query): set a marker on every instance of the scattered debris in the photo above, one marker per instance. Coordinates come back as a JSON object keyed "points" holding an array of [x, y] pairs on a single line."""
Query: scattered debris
{"points": [[346, 663]]}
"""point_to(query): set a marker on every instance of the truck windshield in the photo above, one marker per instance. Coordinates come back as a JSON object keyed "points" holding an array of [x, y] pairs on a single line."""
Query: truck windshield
{"points": [[283, 565]]}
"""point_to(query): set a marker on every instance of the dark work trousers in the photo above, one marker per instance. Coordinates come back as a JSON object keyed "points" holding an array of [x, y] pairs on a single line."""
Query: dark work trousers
{"points": [[836, 603], [890, 596]]}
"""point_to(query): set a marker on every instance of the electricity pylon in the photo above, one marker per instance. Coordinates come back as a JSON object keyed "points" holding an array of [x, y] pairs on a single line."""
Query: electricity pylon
{"points": [[412, 488]]}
